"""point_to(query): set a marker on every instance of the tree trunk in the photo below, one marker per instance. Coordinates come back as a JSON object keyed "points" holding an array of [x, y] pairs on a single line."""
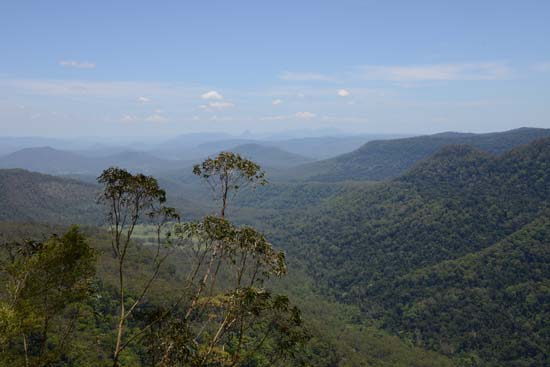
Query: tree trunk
{"points": [[121, 316]]}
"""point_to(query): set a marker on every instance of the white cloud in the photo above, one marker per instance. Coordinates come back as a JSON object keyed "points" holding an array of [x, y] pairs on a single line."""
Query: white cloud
{"points": [[414, 73], [221, 104], [343, 93], [103, 89], [144, 99], [221, 118], [298, 115], [127, 118], [410, 73], [77, 64], [305, 76], [304, 115], [212, 95], [155, 118], [217, 105], [273, 118], [277, 102]]}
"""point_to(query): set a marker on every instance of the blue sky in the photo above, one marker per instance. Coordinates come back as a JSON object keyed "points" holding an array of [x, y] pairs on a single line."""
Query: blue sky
{"points": [[73, 68]]}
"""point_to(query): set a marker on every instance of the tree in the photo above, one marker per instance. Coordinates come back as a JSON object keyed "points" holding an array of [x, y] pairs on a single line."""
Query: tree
{"points": [[131, 199], [45, 283], [226, 174], [237, 320], [234, 321]]}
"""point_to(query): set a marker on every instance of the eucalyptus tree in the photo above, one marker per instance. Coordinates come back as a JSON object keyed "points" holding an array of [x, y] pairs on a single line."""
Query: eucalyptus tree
{"points": [[236, 320], [132, 199], [228, 173], [227, 317]]}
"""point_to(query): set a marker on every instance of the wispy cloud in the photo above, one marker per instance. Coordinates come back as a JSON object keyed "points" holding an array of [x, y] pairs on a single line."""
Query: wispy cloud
{"points": [[217, 105], [144, 99], [212, 95], [276, 102], [127, 119], [298, 115], [410, 73], [77, 64], [221, 104], [343, 93], [304, 115], [221, 118], [103, 89], [156, 118], [130, 119], [441, 72]]}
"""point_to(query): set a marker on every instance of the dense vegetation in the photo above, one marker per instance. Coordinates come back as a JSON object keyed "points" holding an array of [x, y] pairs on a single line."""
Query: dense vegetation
{"points": [[337, 336], [33, 197], [387, 247], [218, 313]]}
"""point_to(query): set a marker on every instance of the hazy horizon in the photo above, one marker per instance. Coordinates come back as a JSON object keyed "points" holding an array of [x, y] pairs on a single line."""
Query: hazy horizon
{"points": [[220, 135]]}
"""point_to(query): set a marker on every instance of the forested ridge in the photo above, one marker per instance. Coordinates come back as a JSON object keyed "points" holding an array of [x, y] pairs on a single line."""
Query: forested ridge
{"points": [[415, 252], [385, 159]]}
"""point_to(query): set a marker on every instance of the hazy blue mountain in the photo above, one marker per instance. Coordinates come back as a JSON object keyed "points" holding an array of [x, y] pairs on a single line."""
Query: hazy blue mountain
{"points": [[312, 147], [324, 147], [48, 160], [268, 156], [13, 144], [185, 146], [53, 161]]}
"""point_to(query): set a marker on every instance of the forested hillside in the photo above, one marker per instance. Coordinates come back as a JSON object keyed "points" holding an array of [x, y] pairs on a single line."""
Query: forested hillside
{"points": [[368, 245], [337, 336], [34, 197], [385, 159], [479, 302]]}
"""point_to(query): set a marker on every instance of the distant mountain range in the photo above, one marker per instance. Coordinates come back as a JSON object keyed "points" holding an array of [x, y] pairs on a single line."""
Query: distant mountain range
{"points": [[385, 159], [60, 162], [269, 156], [53, 161], [311, 147]]}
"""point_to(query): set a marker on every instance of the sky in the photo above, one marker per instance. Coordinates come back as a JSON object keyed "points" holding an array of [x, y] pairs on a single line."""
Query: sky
{"points": [[159, 68]]}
